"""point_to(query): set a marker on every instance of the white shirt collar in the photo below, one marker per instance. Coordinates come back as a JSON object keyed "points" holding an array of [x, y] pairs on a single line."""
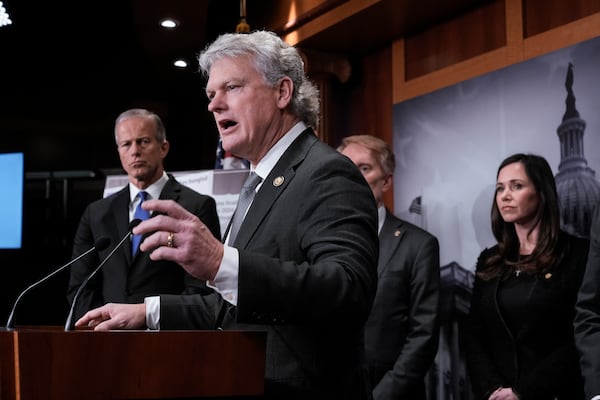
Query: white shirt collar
{"points": [[381, 213], [153, 190], [266, 164]]}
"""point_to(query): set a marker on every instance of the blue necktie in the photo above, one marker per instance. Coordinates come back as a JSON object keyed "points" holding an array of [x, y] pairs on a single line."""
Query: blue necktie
{"points": [[142, 214]]}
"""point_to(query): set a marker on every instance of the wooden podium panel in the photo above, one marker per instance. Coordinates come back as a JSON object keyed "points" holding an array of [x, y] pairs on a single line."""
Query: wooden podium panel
{"points": [[49, 364]]}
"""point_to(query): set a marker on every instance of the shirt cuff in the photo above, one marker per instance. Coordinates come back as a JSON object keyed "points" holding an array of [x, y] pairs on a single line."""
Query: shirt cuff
{"points": [[226, 279], [152, 312]]}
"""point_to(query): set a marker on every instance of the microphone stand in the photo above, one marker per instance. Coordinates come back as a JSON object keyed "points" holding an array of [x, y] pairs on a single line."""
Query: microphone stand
{"points": [[69, 324], [99, 245]]}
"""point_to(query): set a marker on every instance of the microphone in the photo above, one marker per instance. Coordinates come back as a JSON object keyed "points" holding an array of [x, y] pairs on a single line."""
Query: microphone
{"points": [[69, 324], [100, 244]]}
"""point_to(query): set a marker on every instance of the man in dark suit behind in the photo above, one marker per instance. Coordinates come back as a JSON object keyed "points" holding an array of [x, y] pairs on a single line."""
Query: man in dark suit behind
{"points": [[128, 277], [587, 315], [401, 334], [303, 264]]}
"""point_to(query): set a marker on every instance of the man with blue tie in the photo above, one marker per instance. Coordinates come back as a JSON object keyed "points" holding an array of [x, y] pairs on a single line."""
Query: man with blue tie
{"points": [[130, 275]]}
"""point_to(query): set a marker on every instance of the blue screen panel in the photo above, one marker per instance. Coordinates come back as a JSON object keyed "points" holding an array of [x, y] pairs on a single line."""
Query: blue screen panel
{"points": [[11, 200]]}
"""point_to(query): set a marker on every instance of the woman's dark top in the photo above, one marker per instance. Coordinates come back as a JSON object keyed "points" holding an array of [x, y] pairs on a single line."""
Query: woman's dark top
{"points": [[519, 333]]}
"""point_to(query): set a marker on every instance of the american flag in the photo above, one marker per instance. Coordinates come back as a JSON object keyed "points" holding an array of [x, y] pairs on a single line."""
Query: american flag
{"points": [[226, 160]]}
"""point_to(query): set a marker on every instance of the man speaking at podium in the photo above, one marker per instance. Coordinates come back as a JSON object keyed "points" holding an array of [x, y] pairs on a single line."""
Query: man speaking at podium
{"points": [[302, 266]]}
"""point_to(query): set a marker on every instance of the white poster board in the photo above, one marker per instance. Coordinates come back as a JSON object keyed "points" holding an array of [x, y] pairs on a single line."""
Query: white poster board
{"points": [[222, 185]]}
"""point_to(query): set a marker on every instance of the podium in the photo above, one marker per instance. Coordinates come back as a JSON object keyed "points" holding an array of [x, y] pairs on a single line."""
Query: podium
{"points": [[48, 363]]}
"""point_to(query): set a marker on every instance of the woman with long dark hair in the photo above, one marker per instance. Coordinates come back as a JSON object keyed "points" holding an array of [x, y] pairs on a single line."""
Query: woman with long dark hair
{"points": [[519, 335]]}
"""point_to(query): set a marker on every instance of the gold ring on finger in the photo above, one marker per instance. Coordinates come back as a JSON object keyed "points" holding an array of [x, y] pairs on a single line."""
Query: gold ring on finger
{"points": [[171, 240]]}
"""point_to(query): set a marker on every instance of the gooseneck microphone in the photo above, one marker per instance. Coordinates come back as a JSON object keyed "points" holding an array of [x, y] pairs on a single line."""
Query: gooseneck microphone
{"points": [[100, 244], [70, 323]]}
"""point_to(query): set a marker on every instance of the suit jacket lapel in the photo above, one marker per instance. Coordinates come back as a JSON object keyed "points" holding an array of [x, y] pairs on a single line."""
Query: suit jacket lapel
{"points": [[389, 239], [172, 190], [120, 211], [273, 185]]}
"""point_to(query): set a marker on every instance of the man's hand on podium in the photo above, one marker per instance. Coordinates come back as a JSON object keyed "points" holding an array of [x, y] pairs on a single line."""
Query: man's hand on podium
{"points": [[114, 316]]}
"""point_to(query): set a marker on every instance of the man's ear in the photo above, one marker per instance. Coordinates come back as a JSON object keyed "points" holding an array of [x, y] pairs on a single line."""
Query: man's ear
{"points": [[387, 182], [284, 92], [164, 148]]}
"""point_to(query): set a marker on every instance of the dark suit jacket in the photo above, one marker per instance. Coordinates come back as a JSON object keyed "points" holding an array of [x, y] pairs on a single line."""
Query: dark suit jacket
{"points": [[307, 275], [401, 334], [123, 279], [587, 317], [539, 361]]}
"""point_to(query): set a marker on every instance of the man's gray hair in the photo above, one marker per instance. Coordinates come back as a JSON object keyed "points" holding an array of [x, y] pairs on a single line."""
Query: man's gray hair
{"points": [[161, 134], [274, 59]]}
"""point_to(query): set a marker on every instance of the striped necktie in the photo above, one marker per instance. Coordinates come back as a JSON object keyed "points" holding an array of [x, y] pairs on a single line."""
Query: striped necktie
{"points": [[244, 201]]}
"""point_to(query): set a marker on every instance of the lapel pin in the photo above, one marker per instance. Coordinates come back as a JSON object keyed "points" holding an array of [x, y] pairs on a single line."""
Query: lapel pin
{"points": [[548, 275], [278, 181], [397, 232]]}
